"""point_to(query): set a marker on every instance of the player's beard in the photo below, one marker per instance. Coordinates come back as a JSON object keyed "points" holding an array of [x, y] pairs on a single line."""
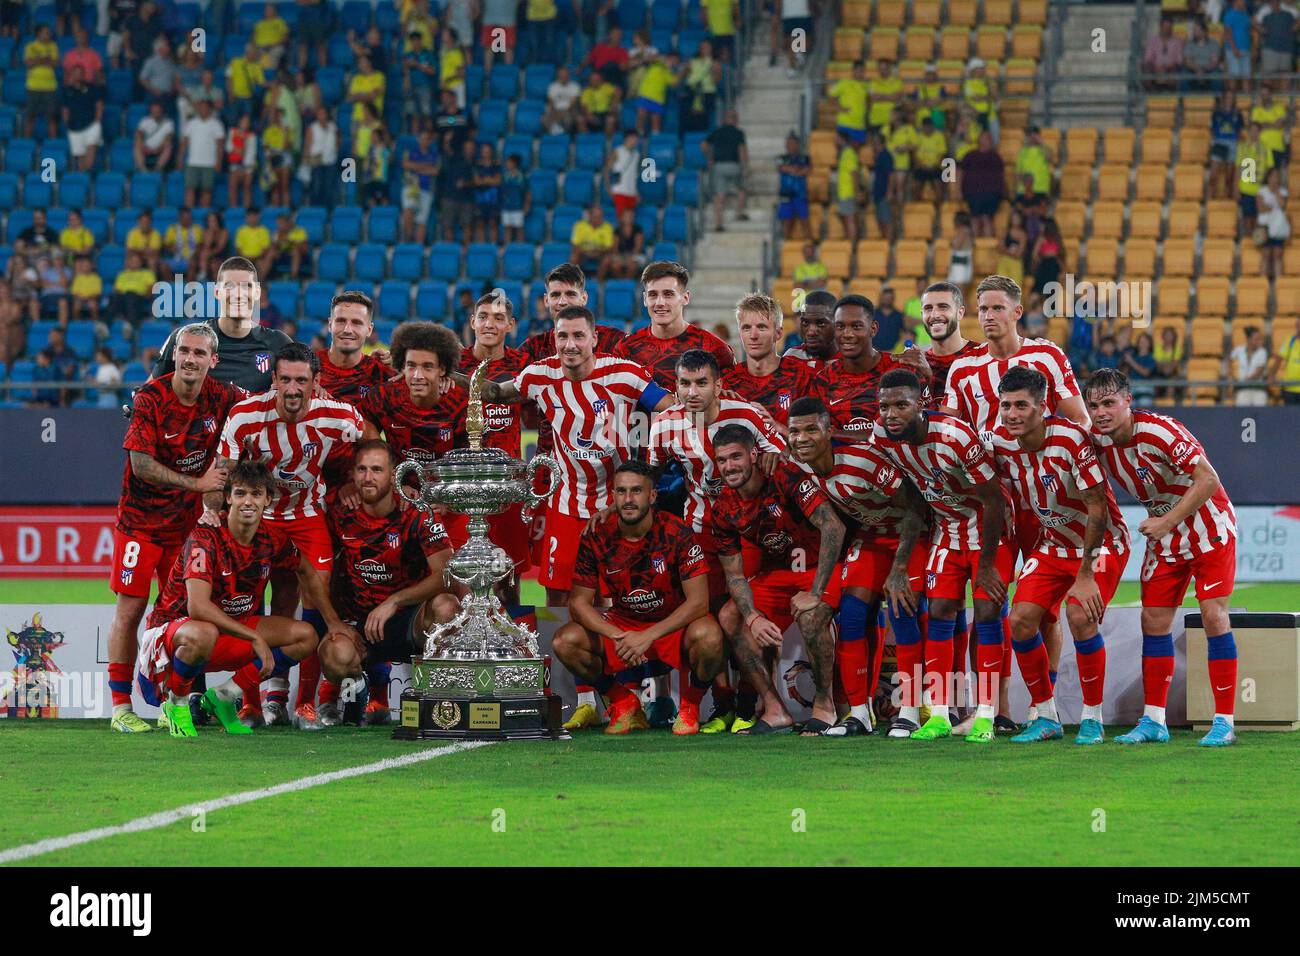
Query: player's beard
{"points": [[951, 331], [372, 495], [636, 519]]}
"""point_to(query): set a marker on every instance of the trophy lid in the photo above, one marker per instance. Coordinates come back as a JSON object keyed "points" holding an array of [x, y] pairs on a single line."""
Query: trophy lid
{"points": [[482, 463]]}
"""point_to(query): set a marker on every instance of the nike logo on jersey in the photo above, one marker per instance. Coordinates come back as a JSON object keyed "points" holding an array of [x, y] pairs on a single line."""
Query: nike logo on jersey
{"points": [[170, 437], [322, 560], [348, 537], [226, 574]]}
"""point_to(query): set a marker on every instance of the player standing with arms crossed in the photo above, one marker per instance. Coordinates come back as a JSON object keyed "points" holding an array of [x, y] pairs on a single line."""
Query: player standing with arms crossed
{"points": [[1050, 467], [1191, 531], [171, 445]]}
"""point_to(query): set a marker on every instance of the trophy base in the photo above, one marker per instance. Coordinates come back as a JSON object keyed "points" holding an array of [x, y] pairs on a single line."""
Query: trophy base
{"points": [[429, 717]]}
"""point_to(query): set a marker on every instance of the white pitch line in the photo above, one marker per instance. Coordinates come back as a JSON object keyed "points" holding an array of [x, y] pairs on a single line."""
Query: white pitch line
{"points": [[167, 817]]}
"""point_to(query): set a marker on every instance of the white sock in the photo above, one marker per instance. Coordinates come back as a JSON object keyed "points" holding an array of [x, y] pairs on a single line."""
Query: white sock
{"points": [[230, 692], [862, 712], [910, 713], [985, 712], [173, 698], [1092, 712], [119, 709], [1033, 713], [587, 697], [939, 710], [1155, 713], [1047, 710], [1227, 717]]}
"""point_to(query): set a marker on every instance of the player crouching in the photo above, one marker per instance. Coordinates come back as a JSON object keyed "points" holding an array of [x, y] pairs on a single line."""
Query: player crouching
{"points": [[206, 616], [650, 562], [387, 581]]}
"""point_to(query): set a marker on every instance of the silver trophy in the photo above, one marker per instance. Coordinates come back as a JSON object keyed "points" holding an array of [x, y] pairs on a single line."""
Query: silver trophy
{"points": [[482, 675]]}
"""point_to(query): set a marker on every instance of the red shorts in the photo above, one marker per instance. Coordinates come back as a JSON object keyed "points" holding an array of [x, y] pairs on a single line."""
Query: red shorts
{"points": [[667, 649], [559, 550], [508, 531], [1045, 579], [488, 36], [947, 571], [622, 203], [1028, 530], [773, 590], [311, 536], [157, 651], [869, 559], [137, 561], [1164, 583]]}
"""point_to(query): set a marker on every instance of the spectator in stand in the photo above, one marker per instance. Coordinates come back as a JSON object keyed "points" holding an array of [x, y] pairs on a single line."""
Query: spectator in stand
{"points": [[201, 146], [902, 138], [1034, 324], [811, 274], [132, 290], [456, 193], [1012, 246], [700, 81], [459, 17], [793, 169], [719, 18], [1034, 160], [378, 159], [982, 178], [83, 114], [515, 199], [252, 239], [1225, 130], [86, 289], [889, 321], [38, 238], [1139, 363], [452, 61], [366, 88], [321, 155], [288, 247], [313, 30], [1271, 117], [119, 11], [1163, 57], [160, 77], [977, 94], [277, 159], [189, 77], [107, 378], [245, 80], [499, 31], [44, 372], [271, 36], [75, 239], [848, 176], [561, 114], [371, 46], [13, 330], [610, 59], [155, 139], [146, 240], [207, 89], [592, 241], [966, 136], [1201, 56], [279, 97], [1237, 44], [882, 174], [961, 252], [141, 33], [24, 285], [487, 194], [83, 55], [727, 154], [623, 173], [1048, 256], [931, 148], [598, 105], [652, 95], [1285, 366], [1107, 354], [307, 97], [180, 245], [212, 248], [241, 162], [420, 167], [628, 258], [54, 281], [62, 359], [1169, 357], [1247, 365], [932, 98], [541, 32], [1275, 26], [641, 54], [886, 92], [1260, 159], [420, 75], [796, 28], [1271, 201], [40, 57]]}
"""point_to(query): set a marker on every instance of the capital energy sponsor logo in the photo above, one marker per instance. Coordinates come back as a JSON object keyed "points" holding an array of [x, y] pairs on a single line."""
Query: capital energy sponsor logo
{"points": [[374, 572], [238, 606], [192, 462], [643, 600]]}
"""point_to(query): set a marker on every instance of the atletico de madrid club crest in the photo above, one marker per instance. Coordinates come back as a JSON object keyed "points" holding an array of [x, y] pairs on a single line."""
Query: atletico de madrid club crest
{"points": [[774, 509], [127, 576], [1144, 473], [310, 448], [210, 424], [393, 539], [598, 407], [262, 361], [1049, 482], [659, 564], [783, 400], [444, 434]]}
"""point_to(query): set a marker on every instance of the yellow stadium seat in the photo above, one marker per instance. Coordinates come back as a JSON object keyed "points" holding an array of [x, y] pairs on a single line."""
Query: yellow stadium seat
{"points": [[1019, 82], [890, 14], [1189, 182], [1180, 257], [819, 188], [1184, 218], [1193, 144], [1139, 258], [997, 11], [1070, 216], [1212, 297], [834, 227], [1032, 11], [1144, 220], [856, 14], [1252, 295], [783, 291], [816, 216], [791, 256], [954, 43], [910, 257], [1201, 107], [947, 216], [865, 286], [1161, 114], [961, 13], [1076, 182], [918, 220], [985, 261], [884, 43], [1157, 146], [1108, 219], [919, 43], [1291, 254], [1240, 325], [926, 13], [1284, 327], [1112, 182], [838, 255], [1249, 258], [1015, 109], [821, 148], [1103, 260], [1151, 182], [942, 255], [1218, 257], [1027, 41], [1173, 299], [1221, 218], [872, 256], [1287, 292], [1207, 337], [836, 70], [1203, 370], [912, 72], [1120, 145], [991, 43], [952, 71], [848, 43], [1081, 145]]}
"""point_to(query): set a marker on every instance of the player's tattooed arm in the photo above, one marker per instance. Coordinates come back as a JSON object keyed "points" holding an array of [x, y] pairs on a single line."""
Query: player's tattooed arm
{"points": [[503, 393], [832, 531], [214, 501], [150, 469], [992, 525], [898, 589], [733, 567]]}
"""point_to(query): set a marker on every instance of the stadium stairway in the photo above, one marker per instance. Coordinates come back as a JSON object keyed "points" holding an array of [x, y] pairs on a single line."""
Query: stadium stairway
{"points": [[1089, 88], [727, 265]]}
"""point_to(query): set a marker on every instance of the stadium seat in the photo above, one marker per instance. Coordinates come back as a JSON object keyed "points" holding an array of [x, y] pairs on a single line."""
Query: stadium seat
{"points": [[1286, 291], [563, 220], [1103, 260], [1144, 220], [74, 190], [1178, 257], [1081, 145], [1152, 182], [1251, 297], [37, 192], [1108, 219], [284, 296], [1189, 182], [686, 188], [110, 262], [517, 261], [394, 301], [23, 370], [553, 153], [1218, 257], [1140, 258], [408, 262], [345, 224], [370, 263], [317, 296], [676, 224], [431, 299], [1076, 182], [146, 190], [553, 254], [110, 190], [1173, 299], [8, 190], [542, 186], [481, 261], [493, 117], [332, 264], [1207, 337], [1185, 218], [579, 188], [620, 299], [1212, 297], [444, 261], [382, 224], [1112, 182], [537, 78], [692, 153], [81, 339], [153, 333], [528, 122]]}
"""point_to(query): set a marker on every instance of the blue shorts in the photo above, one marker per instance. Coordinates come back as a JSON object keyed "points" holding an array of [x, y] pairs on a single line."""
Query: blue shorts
{"points": [[650, 106], [858, 136], [792, 209], [1249, 207]]}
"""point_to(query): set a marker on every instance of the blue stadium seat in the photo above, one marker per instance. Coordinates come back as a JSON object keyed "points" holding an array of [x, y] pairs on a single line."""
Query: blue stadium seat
{"points": [[122, 348], [146, 190], [247, 15], [663, 150], [676, 225], [665, 250], [38, 336], [408, 262], [121, 159], [474, 83], [689, 40], [234, 218], [579, 188], [692, 155], [384, 328], [371, 262], [481, 260], [553, 153], [503, 83], [333, 263], [620, 299], [24, 370], [660, 35], [317, 296], [186, 16], [631, 15], [654, 190], [36, 191], [312, 220], [74, 190], [492, 118], [517, 261], [553, 254], [355, 15], [134, 114], [124, 221], [8, 190], [394, 301], [383, 224], [110, 190], [542, 187], [19, 155], [8, 121], [686, 188], [96, 219], [431, 299], [153, 333], [15, 88], [110, 262], [521, 146], [284, 296], [17, 221], [174, 190], [665, 15], [562, 221], [514, 291], [528, 118], [345, 224], [387, 18], [444, 261], [535, 224], [135, 371], [81, 338], [330, 79], [536, 80], [589, 151], [57, 150], [57, 219], [120, 87]]}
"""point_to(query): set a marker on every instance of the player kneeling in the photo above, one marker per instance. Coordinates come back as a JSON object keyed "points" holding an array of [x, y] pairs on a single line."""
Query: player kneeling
{"points": [[387, 581], [206, 618], [650, 562]]}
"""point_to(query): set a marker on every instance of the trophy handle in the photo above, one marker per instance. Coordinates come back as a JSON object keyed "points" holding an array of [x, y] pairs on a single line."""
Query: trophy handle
{"points": [[534, 499], [406, 468]]}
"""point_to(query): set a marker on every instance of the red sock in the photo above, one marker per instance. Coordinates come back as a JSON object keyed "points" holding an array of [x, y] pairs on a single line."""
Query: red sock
{"points": [[1223, 673], [1157, 674], [329, 691], [852, 662], [876, 638], [617, 693], [1006, 648], [1035, 669], [960, 647], [1092, 675], [249, 680], [584, 689], [308, 679], [909, 673], [988, 673], [938, 667], [178, 685], [690, 693], [119, 677]]}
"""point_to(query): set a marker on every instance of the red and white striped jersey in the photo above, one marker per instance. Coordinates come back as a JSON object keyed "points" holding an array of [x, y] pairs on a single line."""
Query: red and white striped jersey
{"points": [[972, 388], [676, 433], [1155, 466], [1048, 483], [862, 484], [295, 452], [945, 467], [591, 420]]}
